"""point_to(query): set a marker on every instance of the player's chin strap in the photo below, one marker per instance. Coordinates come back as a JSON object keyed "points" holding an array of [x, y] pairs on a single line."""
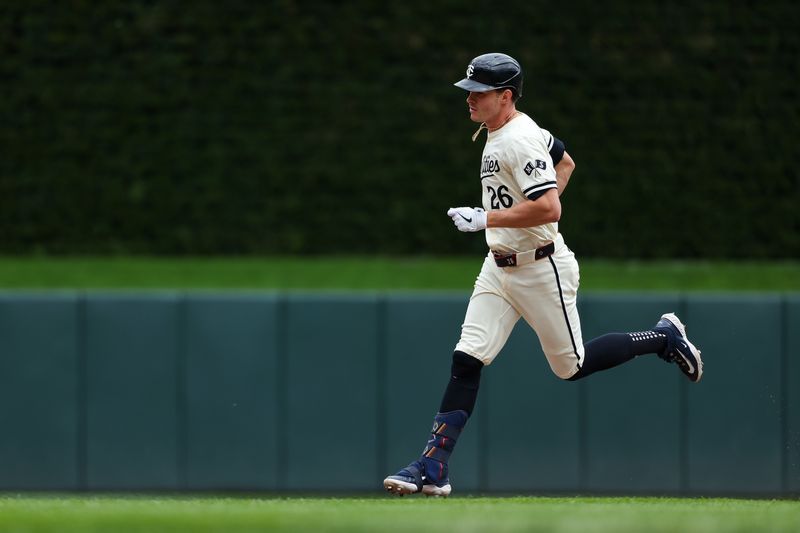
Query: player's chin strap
{"points": [[482, 126]]}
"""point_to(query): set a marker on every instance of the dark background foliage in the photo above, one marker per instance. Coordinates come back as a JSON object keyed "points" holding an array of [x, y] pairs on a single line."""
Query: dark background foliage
{"points": [[333, 127]]}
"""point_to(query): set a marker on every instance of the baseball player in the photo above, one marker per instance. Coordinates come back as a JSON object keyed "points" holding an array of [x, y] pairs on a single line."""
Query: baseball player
{"points": [[529, 271]]}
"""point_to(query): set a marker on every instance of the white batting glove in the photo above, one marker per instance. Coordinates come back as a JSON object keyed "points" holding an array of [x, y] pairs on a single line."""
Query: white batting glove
{"points": [[468, 218]]}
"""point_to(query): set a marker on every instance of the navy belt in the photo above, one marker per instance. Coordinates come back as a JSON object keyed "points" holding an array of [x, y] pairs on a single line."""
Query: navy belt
{"points": [[509, 260]]}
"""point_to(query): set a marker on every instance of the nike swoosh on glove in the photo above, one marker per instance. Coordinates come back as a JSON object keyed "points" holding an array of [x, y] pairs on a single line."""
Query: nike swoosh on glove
{"points": [[468, 218]]}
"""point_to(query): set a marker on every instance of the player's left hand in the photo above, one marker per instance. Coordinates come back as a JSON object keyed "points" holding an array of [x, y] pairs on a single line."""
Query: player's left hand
{"points": [[468, 218]]}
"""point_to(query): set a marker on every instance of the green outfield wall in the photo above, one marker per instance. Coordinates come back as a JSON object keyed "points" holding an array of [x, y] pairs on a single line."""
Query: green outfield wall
{"points": [[288, 392], [323, 127]]}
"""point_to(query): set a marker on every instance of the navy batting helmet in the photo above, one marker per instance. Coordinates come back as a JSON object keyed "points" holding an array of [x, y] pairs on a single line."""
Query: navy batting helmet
{"points": [[488, 72]]}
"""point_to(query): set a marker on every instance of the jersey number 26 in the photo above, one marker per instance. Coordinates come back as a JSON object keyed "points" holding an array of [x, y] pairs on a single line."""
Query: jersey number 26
{"points": [[499, 197]]}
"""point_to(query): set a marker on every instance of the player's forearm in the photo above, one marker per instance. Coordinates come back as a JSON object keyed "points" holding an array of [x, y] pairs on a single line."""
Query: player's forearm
{"points": [[564, 170], [543, 210]]}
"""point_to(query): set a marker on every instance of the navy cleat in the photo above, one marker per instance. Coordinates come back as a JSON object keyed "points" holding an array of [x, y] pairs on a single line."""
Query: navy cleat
{"points": [[679, 350], [429, 473], [413, 479]]}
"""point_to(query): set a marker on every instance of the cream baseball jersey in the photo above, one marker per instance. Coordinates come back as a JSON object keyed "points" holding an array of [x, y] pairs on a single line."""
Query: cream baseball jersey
{"points": [[516, 166]]}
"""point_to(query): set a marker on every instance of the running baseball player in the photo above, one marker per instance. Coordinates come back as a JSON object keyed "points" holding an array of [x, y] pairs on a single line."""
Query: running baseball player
{"points": [[528, 272]]}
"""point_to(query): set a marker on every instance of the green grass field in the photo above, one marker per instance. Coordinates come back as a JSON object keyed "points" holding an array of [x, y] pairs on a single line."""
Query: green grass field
{"points": [[374, 273], [22, 514]]}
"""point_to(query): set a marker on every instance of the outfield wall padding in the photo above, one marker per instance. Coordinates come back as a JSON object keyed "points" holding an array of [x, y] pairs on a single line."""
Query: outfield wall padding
{"points": [[330, 392]]}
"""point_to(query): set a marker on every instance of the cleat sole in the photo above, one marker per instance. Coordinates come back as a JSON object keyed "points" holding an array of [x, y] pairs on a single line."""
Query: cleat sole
{"points": [[400, 488], [433, 490]]}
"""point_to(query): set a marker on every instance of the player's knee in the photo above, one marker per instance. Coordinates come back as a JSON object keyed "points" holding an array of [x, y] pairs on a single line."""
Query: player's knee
{"points": [[566, 374], [466, 367]]}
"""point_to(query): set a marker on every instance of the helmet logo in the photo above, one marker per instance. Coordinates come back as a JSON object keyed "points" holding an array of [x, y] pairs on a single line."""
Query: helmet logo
{"points": [[470, 70]]}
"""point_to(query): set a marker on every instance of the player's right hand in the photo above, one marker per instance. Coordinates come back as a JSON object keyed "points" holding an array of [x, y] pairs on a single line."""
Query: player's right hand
{"points": [[468, 218]]}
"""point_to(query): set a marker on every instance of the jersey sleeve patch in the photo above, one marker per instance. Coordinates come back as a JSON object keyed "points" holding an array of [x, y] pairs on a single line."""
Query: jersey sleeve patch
{"points": [[538, 164]]}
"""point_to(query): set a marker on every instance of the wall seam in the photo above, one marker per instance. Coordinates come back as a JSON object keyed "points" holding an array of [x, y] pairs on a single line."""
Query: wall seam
{"points": [[82, 392], [281, 393], [784, 395], [381, 403], [683, 418], [583, 423], [181, 398]]}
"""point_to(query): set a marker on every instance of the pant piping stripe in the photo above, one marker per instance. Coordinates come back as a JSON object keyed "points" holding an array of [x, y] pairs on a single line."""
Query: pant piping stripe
{"points": [[564, 309]]}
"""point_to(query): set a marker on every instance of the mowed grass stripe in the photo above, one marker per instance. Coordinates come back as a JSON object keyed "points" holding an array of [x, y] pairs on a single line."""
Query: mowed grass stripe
{"points": [[233, 515], [372, 273]]}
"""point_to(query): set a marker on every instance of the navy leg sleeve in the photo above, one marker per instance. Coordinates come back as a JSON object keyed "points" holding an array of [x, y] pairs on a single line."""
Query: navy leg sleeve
{"points": [[462, 390]]}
